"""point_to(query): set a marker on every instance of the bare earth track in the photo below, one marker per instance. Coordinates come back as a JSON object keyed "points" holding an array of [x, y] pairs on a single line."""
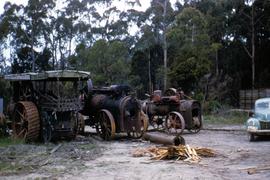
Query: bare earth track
{"points": [[113, 160]]}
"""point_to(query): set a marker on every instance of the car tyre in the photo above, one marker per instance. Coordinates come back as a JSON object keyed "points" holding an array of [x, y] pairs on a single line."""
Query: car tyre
{"points": [[252, 137]]}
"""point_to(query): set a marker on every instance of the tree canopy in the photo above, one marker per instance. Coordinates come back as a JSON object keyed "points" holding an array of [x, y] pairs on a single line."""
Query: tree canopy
{"points": [[194, 42]]}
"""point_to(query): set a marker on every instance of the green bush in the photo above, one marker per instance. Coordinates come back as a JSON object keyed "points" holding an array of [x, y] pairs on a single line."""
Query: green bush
{"points": [[210, 107]]}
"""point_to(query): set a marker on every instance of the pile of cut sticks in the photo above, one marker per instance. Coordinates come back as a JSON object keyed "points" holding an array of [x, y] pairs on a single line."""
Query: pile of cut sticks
{"points": [[181, 152]]}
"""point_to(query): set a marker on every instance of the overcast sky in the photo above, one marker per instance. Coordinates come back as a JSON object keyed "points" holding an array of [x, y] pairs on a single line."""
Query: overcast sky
{"points": [[120, 5], [2, 3], [145, 4]]}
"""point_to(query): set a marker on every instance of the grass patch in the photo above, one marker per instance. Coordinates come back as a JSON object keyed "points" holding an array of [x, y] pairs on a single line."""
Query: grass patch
{"points": [[233, 118], [14, 168], [88, 146], [6, 141]]}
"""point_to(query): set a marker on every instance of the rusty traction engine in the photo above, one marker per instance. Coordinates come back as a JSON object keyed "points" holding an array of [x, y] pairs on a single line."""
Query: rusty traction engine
{"points": [[45, 105], [172, 112], [113, 110]]}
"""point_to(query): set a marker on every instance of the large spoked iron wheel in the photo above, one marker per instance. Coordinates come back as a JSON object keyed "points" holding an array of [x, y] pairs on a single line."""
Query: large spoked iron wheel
{"points": [[105, 126], [139, 128], [175, 123], [26, 121]]}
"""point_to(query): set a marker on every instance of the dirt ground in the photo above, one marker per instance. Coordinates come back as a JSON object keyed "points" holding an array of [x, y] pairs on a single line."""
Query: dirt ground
{"points": [[90, 158]]}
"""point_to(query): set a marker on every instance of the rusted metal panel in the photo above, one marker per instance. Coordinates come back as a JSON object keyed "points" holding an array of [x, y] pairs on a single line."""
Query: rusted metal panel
{"points": [[18, 77], [51, 102], [160, 107], [59, 74], [117, 109], [122, 109]]}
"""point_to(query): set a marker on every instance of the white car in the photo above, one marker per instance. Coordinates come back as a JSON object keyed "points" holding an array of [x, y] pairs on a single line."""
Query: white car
{"points": [[258, 123]]}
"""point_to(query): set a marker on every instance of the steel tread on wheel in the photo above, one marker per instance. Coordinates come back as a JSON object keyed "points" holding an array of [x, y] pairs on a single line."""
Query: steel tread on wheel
{"points": [[175, 123], [26, 121], [137, 132], [106, 125]]}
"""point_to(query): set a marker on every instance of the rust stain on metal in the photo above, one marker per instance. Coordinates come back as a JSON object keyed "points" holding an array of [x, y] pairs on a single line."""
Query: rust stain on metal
{"points": [[123, 112], [172, 112]]}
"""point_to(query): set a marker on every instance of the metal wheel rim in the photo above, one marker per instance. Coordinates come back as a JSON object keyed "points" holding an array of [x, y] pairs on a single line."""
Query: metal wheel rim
{"points": [[175, 123], [26, 122], [106, 125], [144, 126], [196, 129]]}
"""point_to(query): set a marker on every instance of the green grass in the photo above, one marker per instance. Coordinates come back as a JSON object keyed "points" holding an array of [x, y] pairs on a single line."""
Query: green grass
{"points": [[233, 118], [6, 141], [7, 168], [87, 146]]}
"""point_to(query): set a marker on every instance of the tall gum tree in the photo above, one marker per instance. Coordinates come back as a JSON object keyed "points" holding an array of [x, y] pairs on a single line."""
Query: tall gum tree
{"points": [[189, 48]]}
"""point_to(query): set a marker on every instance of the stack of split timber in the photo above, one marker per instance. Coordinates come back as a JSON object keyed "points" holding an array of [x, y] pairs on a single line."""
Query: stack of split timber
{"points": [[181, 152], [248, 97]]}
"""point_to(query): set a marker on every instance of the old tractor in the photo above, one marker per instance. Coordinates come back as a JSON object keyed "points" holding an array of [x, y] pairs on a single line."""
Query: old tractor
{"points": [[173, 112], [45, 105], [114, 110]]}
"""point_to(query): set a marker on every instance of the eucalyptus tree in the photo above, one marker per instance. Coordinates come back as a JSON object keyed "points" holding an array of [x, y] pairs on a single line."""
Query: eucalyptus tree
{"points": [[22, 27], [10, 27], [162, 15], [151, 53], [35, 16], [153, 25], [190, 48], [2, 62], [253, 12], [106, 60]]}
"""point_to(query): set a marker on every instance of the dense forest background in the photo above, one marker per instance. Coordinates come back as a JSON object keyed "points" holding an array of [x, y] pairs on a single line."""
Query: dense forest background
{"points": [[213, 48]]}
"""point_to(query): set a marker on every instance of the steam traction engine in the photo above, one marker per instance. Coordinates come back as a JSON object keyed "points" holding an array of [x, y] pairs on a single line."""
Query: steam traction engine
{"points": [[113, 110], [172, 112], [45, 105]]}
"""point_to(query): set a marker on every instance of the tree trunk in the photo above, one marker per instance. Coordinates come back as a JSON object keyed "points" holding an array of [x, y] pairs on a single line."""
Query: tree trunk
{"points": [[32, 50], [69, 48], [62, 61], [217, 71], [149, 72], [54, 53], [165, 43], [192, 34], [252, 53], [165, 65], [253, 47]]}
